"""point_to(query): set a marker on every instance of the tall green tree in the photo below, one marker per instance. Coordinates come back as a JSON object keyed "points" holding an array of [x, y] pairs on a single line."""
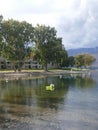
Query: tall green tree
{"points": [[79, 60], [17, 36], [47, 42], [84, 60], [35, 54], [88, 59], [71, 61], [1, 17], [61, 57]]}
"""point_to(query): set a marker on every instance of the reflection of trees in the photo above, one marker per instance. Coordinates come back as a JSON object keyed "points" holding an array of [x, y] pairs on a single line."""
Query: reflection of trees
{"points": [[51, 99], [23, 91], [26, 92], [16, 96], [85, 83], [17, 92], [20, 91], [79, 80]]}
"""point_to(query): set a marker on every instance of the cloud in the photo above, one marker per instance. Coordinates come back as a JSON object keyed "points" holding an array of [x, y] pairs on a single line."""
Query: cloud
{"points": [[80, 28], [76, 21]]}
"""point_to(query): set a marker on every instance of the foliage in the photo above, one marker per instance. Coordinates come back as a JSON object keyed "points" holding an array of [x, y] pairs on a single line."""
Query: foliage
{"points": [[1, 17], [63, 58], [34, 54], [17, 36], [71, 61], [88, 59], [16, 39], [84, 60], [79, 60], [48, 44]]}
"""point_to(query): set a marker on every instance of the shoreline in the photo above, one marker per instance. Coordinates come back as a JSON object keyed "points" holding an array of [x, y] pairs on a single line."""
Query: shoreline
{"points": [[40, 73]]}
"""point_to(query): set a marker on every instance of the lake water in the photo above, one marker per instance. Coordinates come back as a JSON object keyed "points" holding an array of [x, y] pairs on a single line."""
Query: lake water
{"points": [[25, 104]]}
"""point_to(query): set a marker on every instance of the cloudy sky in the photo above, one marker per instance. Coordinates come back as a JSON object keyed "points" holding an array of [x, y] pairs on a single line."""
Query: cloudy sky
{"points": [[76, 21]]}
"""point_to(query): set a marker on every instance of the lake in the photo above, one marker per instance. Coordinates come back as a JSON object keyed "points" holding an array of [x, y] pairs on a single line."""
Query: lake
{"points": [[25, 104]]}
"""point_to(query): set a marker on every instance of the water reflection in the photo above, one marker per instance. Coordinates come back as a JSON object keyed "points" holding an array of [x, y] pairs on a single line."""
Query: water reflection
{"points": [[27, 101], [24, 91], [79, 80], [51, 99]]}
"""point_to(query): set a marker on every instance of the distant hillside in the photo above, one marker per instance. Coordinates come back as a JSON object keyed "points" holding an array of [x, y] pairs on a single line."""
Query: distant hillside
{"points": [[92, 51], [72, 52]]}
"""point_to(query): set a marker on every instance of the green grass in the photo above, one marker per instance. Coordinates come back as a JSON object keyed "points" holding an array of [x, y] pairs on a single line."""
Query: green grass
{"points": [[42, 70]]}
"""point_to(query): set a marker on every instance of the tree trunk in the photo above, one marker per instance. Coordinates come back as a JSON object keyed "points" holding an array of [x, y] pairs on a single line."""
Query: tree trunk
{"points": [[19, 66], [46, 67]]}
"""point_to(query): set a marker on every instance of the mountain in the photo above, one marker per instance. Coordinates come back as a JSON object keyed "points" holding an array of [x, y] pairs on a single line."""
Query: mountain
{"points": [[91, 51], [73, 52]]}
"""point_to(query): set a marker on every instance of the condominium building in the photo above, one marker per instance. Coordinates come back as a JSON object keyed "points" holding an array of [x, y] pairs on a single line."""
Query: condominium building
{"points": [[28, 64], [2, 63]]}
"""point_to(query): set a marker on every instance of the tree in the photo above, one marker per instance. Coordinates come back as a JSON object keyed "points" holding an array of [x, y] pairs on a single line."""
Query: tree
{"points": [[79, 60], [88, 59], [71, 61], [84, 60], [17, 36], [61, 57], [47, 43], [34, 54], [1, 17]]}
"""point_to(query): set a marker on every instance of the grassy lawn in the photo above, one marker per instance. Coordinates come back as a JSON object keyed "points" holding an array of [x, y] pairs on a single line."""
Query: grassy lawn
{"points": [[41, 70], [10, 71]]}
